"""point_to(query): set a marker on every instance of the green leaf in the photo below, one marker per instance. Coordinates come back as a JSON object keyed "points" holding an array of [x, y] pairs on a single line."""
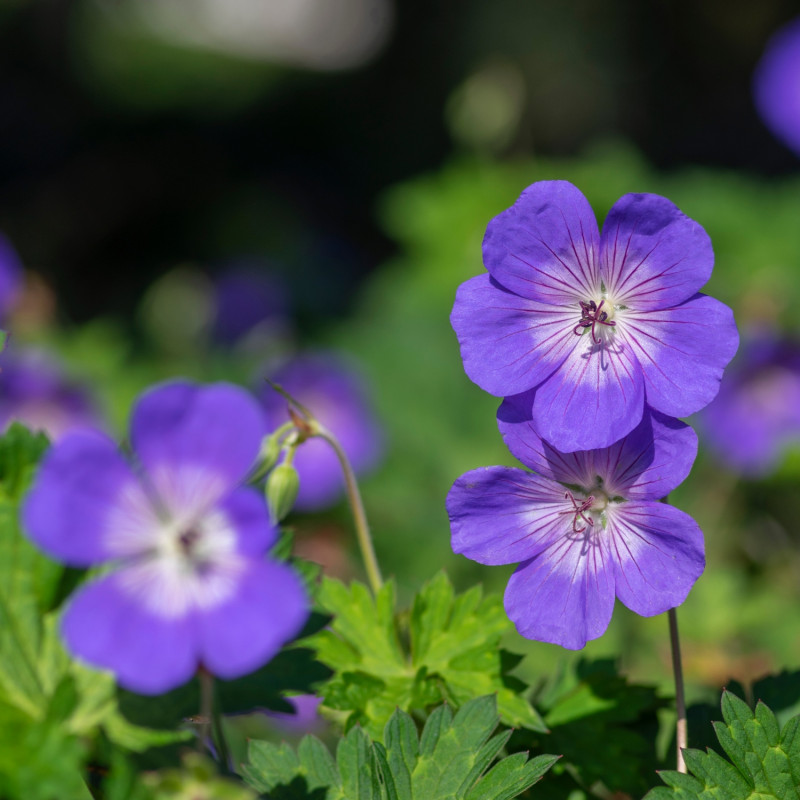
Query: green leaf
{"points": [[453, 653], [449, 762], [37, 677], [605, 727], [358, 767], [27, 578], [40, 758], [764, 761]]}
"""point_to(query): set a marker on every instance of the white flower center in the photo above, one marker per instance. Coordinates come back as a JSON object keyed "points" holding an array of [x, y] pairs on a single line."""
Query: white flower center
{"points": [[192, 564]]}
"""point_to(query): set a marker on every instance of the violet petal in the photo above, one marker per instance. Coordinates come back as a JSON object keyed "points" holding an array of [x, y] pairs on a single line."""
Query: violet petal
{"points": [[71, 510], [105, 625], [545, 246], [658, 554], [269, 607], [683, 352], [565, 595], [652, 255], [500, 515], [594, 399], [196, 442]]}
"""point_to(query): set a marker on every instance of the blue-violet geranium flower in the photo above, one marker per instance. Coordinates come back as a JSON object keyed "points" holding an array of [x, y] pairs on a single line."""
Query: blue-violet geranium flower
{"points": [[756, 415], [776, 85], [192, 585], [35, 390], [586, 527], [599, 325]]}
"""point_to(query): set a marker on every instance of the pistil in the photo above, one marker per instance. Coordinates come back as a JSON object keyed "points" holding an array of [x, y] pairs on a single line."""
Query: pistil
{"points": [[592, 314], [578, 511]]}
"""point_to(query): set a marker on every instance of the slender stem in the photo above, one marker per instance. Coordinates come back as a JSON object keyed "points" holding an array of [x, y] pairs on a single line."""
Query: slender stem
{"points": [[359, 515], [206, 705], [210, 716], [219, 737], [682, 731]]}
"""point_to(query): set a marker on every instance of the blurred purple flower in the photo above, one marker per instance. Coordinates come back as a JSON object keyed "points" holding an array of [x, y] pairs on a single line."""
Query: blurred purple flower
{"points": [[335, 395], [10, 276], [756, 414], [35, 392], [305, 718], [248, 297], [776, 85], [599, 325], [587, 528], [191, 585]]}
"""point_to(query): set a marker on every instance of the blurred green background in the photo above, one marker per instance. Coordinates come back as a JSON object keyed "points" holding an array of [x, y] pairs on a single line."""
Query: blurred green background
{"points": [[354, 151]]}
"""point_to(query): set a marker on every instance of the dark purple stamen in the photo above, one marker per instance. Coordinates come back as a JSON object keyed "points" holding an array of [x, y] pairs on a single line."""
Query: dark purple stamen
{"points": [[591, 315], [187, 540], [579, 508]]}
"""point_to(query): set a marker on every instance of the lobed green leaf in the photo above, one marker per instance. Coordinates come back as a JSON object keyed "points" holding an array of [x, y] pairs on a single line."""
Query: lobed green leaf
{"points": [[453, 653], [450, 761], [764, 761]]}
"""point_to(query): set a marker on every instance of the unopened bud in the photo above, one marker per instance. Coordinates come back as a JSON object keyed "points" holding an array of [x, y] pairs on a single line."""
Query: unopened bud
{"points": [[283, 484], [271, 450]]}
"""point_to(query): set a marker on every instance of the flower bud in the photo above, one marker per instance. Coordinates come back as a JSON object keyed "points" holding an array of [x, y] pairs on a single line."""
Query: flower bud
{"points": [[283, 484], [270, 451]]}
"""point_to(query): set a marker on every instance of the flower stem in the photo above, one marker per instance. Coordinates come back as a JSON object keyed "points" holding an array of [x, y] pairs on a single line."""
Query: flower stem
{"points": [[206, 705], [211, 720], [682, 732], [359, 515]]}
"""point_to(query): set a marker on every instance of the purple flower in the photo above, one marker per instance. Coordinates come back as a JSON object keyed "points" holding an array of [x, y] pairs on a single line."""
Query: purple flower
{"points": [[756, 414], [776, 85], [248, 297], [586, 527], [336, 397], [305, 718], [191, 585], [35, 392], [599, 325], [10, 276]]}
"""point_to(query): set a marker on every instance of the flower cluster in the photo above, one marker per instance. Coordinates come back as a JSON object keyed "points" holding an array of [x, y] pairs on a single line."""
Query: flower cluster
{"points": [[597, 341], [191, 585]]}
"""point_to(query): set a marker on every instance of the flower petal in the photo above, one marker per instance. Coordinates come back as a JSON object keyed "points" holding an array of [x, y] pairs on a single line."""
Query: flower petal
{"points": [[500, 515], [594, 399], [248, 516], [149, 653], [652, 255], [80, 500], [648, 463], [269, 607], [651, 461], [196, 442], [545, 246], [565, 595], [508, 343], [320, 473], [682, 352], [658, 554]]}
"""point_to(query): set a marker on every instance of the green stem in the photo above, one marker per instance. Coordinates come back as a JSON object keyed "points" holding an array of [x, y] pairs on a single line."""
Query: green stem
{"points": [[211, 719], [206, 705], [359, 515], [682, 732]]}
